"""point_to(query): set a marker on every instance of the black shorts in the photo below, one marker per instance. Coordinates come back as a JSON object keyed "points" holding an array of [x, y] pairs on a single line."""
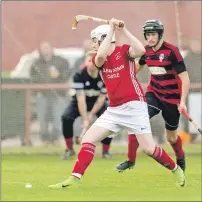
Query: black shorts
{"points": [[169, 111], [72, 111]]}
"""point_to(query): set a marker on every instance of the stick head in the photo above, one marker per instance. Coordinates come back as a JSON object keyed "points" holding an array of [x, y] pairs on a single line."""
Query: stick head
{"points": [[77, 18], [74, 24]]}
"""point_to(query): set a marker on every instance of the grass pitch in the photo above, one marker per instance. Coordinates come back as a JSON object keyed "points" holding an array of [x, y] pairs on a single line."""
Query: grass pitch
{"points": [[148, 181]]}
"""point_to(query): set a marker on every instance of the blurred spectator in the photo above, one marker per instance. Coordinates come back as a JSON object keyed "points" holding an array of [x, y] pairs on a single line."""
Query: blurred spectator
{"points": [[193, 61], [49, 68], [79, 64], [22, 69]]}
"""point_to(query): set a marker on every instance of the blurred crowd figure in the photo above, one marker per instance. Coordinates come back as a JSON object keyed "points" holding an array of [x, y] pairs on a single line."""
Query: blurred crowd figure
{"points": [[50, 104], [79, 64]]}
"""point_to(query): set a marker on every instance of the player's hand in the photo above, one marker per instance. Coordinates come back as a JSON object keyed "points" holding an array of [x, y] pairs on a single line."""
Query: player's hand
{"points": [[91, 117], [54, 73], [114, 23], [120, 25], [182, 106], [86, 124]]}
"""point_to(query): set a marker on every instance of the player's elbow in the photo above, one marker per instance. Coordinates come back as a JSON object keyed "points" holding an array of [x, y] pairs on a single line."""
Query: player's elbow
{"points": [[184, 76], [101, 55], [188, 82], [137, 52], [141, 50], [100, 59]]}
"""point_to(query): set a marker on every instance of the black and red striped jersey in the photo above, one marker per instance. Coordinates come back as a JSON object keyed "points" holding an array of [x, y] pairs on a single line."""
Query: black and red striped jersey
{"points": [[164, 65]]}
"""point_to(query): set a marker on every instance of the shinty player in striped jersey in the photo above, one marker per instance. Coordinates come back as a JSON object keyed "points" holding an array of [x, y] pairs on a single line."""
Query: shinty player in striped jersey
{"points": [[127, 108], [166, 92]]}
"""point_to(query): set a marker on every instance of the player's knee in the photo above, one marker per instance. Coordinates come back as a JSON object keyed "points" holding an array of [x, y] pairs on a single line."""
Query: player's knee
{"points": [[63, 117], [66, 119], [172, 127], [149, 149], [146, 143], [88, 138], [67, 123], [171, 136]]}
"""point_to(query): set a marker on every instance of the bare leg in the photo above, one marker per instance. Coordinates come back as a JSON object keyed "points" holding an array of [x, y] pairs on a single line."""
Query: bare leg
{"points": [[93, 136], [148, 145]]}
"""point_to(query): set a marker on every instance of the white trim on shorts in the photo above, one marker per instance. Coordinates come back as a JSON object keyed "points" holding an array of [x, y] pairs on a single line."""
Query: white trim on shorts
{"points": [[154, 107], [171, 125]]}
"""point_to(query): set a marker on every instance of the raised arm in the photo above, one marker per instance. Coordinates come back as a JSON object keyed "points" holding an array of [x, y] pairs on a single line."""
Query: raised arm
{"points": [[106, 45], [136, 47], [104, 49]]}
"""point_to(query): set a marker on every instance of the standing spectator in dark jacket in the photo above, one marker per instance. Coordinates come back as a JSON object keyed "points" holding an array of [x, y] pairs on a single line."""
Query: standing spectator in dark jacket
{"points": [[49, 68]]}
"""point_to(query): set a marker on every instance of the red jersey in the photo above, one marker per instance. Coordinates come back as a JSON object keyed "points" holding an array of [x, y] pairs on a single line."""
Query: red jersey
{"points": [[119, 75], [164, 65]]}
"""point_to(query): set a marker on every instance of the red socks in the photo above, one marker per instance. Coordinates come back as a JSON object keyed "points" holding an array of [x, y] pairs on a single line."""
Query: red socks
{"points": [[105, 147], [69, 143], [162, 157], [177, 147], [86, 154], [132, 147], [84, 158]]}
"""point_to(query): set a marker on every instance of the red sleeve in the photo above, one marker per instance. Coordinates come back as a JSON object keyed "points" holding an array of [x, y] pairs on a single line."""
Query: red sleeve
{"points": [[176, 55], [125, 51], [125, 48], [177, 61]]}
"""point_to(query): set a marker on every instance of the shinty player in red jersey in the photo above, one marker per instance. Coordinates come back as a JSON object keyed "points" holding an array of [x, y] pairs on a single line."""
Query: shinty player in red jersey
{"points": [[127, 109], [166, 92]]}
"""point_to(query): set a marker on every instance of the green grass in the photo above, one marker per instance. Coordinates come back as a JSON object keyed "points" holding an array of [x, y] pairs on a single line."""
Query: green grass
{"points": [[56, 150], [5, 74], [147, 182]]}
